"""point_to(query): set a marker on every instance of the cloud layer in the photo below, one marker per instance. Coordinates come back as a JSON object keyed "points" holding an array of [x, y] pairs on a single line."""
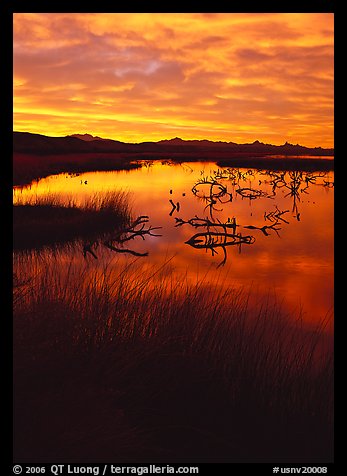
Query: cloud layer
{"points": [[136, 77]]}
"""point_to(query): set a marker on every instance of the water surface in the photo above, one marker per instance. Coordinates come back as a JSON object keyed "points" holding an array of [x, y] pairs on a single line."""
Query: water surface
{"points": [[269, 230]]}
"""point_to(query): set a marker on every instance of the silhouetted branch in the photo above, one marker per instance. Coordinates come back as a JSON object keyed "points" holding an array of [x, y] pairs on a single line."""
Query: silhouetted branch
{"points": [[264, 228], [132, 231], [197, 222], [275, 216], [251, 193], [141, 232], [124, 250], [220, 188], [136, 228], [215, 193], [210, 205], [175, 206], [212, 240], [215, 239]]}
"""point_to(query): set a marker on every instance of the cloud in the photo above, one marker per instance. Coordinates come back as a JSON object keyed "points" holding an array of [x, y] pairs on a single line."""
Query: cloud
{"points": [[200, 75], [252, 55]]}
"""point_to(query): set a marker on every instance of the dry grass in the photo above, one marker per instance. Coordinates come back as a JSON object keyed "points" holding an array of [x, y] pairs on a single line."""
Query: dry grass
{"points": [[47, 222], [113, 366]]}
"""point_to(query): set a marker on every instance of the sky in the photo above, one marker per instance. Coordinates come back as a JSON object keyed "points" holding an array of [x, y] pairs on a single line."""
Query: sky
{"points": [[133, 77]]}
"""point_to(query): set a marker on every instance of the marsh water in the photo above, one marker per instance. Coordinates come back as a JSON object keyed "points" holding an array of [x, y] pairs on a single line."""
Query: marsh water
{"points": [[271, 231]]}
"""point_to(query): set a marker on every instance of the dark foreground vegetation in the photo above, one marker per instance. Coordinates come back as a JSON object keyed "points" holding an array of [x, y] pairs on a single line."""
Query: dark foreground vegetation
{"points": [[37, 156], [280, 163], [30, 167], [25, 142], [112, 366], [44, 222], [27, 168]]}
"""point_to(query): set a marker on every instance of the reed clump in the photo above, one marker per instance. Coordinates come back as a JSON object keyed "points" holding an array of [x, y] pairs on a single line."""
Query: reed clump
{"points": [[48, 221], [113, 365]]}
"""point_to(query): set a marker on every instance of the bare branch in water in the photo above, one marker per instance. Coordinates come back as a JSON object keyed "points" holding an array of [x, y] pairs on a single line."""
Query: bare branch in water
{"points": [[215, 192], [124, 250], [197, 222], [211, 240], [136, 228], [251, 193], [276, 215], [264, 228]]}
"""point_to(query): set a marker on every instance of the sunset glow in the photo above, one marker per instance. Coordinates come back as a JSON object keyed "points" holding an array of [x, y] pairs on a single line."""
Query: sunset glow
{"points": [[136, 77]]}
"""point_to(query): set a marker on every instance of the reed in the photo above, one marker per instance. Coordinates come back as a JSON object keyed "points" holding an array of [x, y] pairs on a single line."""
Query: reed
{"points": [[47, 221], [115, 365], [28, 168]]}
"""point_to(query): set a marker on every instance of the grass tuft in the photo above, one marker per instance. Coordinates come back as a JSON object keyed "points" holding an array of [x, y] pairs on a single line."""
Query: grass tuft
{"points": [[111, 365], [47, 222]]}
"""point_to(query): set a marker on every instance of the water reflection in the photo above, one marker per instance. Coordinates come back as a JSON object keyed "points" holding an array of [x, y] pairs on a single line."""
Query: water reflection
{"points": [[211, 190], [136, 229], [211, 240], [246, 226]]}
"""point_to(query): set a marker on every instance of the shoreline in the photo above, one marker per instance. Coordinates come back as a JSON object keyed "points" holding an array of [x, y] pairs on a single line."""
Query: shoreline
{"points": [[30, 167]]}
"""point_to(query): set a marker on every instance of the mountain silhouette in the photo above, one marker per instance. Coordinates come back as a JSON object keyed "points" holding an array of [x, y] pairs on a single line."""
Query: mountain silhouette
{"points": [[86, 137], [28, 143]]}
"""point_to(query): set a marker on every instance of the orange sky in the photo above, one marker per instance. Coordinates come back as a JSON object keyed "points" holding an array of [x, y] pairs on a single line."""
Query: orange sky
{"points": [[150, 76]]}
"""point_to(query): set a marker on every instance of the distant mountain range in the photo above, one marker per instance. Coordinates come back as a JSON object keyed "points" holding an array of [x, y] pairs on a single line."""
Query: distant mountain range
{"points": [[87, 137], [28, 143]]}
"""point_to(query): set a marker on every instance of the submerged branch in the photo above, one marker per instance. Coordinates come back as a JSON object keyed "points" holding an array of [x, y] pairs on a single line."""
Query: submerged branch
{"points": [[136, 228], [124, 250], [197, 222], [264, 228]]}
